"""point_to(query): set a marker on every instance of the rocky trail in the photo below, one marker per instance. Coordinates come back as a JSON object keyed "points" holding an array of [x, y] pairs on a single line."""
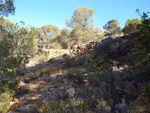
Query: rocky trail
{"points": [[38, 90]]}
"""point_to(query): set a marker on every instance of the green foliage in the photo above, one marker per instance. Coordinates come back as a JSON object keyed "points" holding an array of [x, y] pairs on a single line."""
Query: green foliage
{"points": [[7, 7], [144, 30], [41, 74], [131, 26], [81, 60], [69, 75], [5, 98], [69, 62], [101, 104], [47, 36], [82, 23], [104, 46], [52, 60], [94, 69], [41, 58], [144, 39], [113, 26], [145, 88], [65, 32], [44, 71], [51, 30], [70, 106], [16, 44], [83, 17], [79, 77], [7, 92], [15, 48], [47, 72]]}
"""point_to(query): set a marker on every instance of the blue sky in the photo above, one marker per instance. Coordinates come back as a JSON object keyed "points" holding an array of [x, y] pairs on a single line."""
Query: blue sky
{"points": [[43, 12]]}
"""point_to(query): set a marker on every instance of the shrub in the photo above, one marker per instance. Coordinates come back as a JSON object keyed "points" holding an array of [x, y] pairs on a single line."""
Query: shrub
{"points": [[69, 75], [144, 39], [69, 62], [145, 89], [101, 104], [68, 106], [81, 60], [144, 28], [52, 60], [79, 77], [131, 26], [104, 46], [41, 74], [5, 99], [41, 58]]}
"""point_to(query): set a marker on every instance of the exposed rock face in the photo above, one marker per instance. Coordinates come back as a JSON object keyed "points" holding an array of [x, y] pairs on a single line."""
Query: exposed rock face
{"points": [[83, 48], [142, 104], [28, 108]]}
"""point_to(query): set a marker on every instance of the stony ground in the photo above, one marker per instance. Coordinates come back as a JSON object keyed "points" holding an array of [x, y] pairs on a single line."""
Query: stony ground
{"points": [[36, 90], [113, 81]]}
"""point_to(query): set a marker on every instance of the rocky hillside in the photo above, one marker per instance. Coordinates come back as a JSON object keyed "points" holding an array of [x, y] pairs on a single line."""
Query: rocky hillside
{"points": [[111, 76]]}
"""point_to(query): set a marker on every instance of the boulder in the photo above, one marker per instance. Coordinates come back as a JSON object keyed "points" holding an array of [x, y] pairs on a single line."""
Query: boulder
{"points": [[123, 107], [31, 108], [71, 92]]}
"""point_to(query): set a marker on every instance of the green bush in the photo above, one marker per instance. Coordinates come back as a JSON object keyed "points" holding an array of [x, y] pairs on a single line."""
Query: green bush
{"points": [[52, 60], [145, 88], [79, 77], [131, 26], [81, 60], [69, 62], [101, 104], [5, 99], [41, 74], [68, 106], [144, 39], [69, 75]]}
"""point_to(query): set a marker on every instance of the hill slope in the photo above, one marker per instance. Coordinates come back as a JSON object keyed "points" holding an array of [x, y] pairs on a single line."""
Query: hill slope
{"points": [[111, 76]]}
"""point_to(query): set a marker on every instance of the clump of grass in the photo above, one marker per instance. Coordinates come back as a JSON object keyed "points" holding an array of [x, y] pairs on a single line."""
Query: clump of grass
{"points": [[145, 88], [94, 68], [81, 60], [5, 98], [79, 77], [101, 104], [69, 75], [67, 106], [52, 60], [41, 73], [47, 72], [69, 62]]}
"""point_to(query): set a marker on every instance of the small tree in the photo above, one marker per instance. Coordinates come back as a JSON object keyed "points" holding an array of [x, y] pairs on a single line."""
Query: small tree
{"points": [[144, 30], [82, 23], [15, 47], [113, 26]]}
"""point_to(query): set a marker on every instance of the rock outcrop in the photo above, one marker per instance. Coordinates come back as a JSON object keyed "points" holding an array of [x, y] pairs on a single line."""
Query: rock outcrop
{"points": [[83, 48]]}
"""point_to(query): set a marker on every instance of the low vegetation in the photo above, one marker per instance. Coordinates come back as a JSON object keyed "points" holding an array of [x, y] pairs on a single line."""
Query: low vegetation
{"points": [[117, 66]]}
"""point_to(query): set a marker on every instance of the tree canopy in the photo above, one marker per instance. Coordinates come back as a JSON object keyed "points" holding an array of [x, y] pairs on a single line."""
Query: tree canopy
{"points": [[131, 26], [82, 22], [7, 7], [112, 26]]}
